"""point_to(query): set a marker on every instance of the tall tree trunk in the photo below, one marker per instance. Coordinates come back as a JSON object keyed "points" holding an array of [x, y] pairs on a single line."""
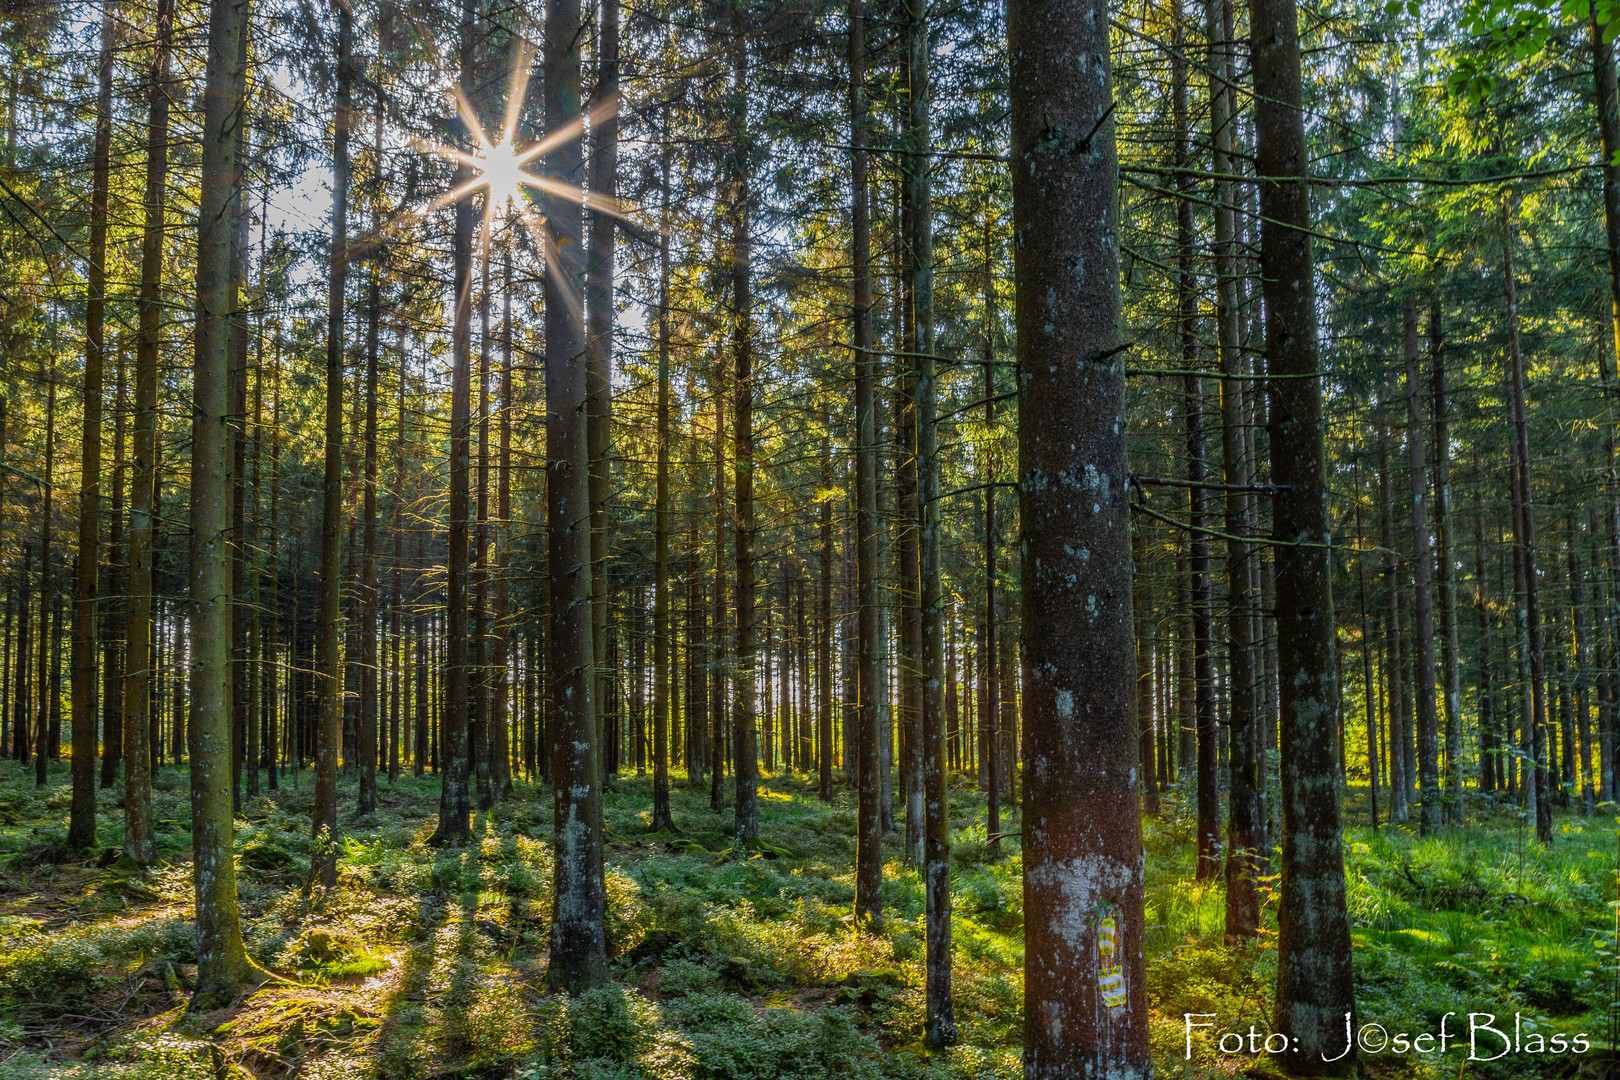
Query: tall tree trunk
{"points": [[1582, 670], [1208, 790], [500, 724], [869, 832], [940, 1018], [395, 612], [1369, 686], [222, 963], [718, 681], [272, 655], [1524, 535], [1608, 110], [450, 758], [1490, 765], [255, 666], [241, 218], [990, 695], [1445, 579], [328, 616], [113, 628], [1246, 822], [478, 715], [1315, 989], [1085, 992], [698, 673], [578, 934], [82, 815], [661, 818], [47, 586], [1400, 784], [604, 166], [1423, 607], [746, 826], [1142, 611], [824, 620], [22, 706], [366, 729]]}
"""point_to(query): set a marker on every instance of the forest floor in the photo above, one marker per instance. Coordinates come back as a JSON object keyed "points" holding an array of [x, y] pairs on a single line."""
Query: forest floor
{"points": [[426, 963]]}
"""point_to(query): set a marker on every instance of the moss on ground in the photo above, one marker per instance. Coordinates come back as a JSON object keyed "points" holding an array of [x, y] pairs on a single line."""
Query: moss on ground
{"points": [[727, 964]]}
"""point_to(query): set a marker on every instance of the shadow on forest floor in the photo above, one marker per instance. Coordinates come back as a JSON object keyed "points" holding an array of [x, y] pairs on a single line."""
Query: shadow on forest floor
{"points": [[726, 965]]}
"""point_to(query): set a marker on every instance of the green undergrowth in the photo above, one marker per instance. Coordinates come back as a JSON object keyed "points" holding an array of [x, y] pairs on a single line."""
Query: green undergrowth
{"points": [[728, 962]]}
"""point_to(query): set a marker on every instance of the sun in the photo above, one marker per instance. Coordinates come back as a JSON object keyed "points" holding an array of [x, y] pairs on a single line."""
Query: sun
{"points": [[499, 167]]}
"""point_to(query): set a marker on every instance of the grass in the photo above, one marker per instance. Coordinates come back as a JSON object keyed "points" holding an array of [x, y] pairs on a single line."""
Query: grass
{"points": [[726, 966]]}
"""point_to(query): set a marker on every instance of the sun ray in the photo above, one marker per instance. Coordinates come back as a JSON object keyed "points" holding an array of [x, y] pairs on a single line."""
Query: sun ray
{"points": [[522, 65], [570, 298]]}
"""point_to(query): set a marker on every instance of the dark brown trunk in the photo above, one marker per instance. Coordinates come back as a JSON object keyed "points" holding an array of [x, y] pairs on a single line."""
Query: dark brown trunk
{"points": [[500, 750], [47, 584], [578, 933], [746, 824], [82, 814], [661, 816], [940, 1019], [451, 750], [1489, 757], [1085, 992], [1524, 535], [869, 833], [366, 728], [1400, 784], [1142, 607], [824, 623], [1428, 725], [328, 615], [114, 628], [1315, 984], [1208, 789], [599, 325], [1445, 580], [222, 963]]}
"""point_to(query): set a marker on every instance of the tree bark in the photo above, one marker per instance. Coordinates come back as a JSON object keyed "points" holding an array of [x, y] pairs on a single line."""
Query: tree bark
{"points": [[222, 963], [1315, 991], [746, 824], [82, 814], [824, 623], [500, 723], [869, 833], [1423, 607], [578, 933], [1085, 1000], [1207, 789], [451, 756], [42, 665], [1246, 861], [604, 121], [478, 725], [1582, 671], [661, 816], [328, 729], [1524, 535], [1142, 611], [940, 1019], [114, 629], [366, 729], [1400, 784], [717, 657], [1490, 766], [1445, 578]]}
